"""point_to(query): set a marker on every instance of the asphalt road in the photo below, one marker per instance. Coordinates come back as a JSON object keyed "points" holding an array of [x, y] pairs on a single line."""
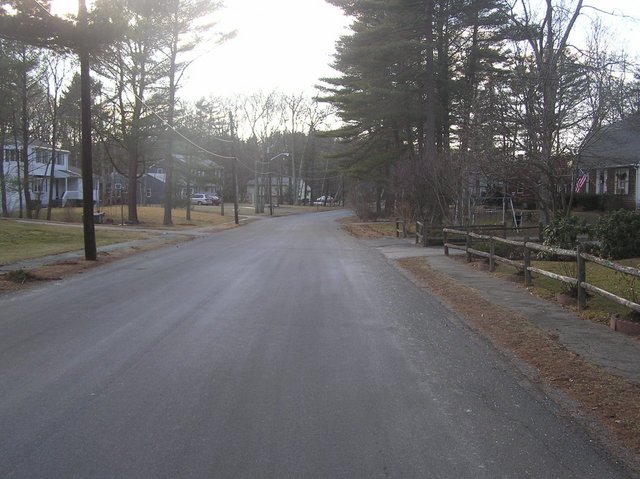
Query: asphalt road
{"points": [[282, 349]]}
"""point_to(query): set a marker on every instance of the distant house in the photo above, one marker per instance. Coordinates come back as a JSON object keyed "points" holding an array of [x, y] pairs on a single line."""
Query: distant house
{"points": [[611, 158], [66, 184], [280, 189], [194, 174], [191, 175]]}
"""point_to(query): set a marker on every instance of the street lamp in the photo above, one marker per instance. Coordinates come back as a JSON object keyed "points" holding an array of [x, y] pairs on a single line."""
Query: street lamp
{"points": [[271, 181], [258, 208]]}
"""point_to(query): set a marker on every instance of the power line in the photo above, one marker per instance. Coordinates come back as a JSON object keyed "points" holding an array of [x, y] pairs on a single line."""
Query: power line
{"points": [[164, 122], [174, 130]]}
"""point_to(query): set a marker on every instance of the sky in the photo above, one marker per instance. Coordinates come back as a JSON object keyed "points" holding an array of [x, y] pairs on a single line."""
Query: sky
{"points": [[281, 45], [287, 45], [284, 45]]}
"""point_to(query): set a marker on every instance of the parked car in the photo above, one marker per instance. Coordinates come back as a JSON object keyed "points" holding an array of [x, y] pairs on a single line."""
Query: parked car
{"points": [[215, 201], [323, 200], [201, 199]]}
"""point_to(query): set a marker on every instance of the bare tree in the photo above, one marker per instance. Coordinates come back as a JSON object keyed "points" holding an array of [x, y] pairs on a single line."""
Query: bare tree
{"points": [[545, 60], [134, 69], [261, 116], [57, 74], [185, 33]]}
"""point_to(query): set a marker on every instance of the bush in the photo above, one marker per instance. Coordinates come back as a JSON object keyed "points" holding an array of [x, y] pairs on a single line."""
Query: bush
{"points": [[588, 201], [611, 202], [563, 232], [501, 249], [619, 234]]}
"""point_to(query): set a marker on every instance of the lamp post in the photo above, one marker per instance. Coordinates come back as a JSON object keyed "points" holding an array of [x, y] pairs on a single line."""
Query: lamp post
{"points": [[270, 193]]}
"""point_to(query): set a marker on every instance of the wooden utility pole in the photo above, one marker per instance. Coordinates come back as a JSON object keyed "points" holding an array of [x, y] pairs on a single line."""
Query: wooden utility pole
{"points": [[234, 172], [90, 250]]}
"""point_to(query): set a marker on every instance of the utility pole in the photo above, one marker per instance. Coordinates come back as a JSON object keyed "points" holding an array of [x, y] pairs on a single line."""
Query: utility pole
{"points": [[270, 193], [90, 250], [256, 190], [222, 195], [234, 172]]}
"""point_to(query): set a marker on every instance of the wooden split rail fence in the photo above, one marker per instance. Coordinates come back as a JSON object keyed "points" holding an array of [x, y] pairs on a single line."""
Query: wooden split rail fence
{"points": [[581, 258]]}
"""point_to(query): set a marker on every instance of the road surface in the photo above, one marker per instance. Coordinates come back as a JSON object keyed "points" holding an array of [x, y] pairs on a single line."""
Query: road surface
{"points": [[282, 349]]}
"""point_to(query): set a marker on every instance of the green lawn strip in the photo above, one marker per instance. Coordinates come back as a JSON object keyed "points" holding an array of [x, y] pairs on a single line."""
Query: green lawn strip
{"points": [[19, 241], [623, 285]]}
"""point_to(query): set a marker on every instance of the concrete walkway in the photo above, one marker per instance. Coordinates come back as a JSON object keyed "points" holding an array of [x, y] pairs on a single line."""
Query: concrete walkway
{"points": [[595, 342]]}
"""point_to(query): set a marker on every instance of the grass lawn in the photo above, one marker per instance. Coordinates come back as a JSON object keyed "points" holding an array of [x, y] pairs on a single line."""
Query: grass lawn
{"points": [[20, 241], [33, 240], [151, 216]]}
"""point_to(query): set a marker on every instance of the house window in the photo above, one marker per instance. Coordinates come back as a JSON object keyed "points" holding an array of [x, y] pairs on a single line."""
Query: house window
{"points": [[148, 192], [601, 182], [160, 171], [622, 181], [12, 155], [60, 158], [41, 156]]}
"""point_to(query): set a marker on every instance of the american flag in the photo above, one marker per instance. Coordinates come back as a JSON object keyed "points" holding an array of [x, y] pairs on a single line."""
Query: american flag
{"points": [[582, 179]]}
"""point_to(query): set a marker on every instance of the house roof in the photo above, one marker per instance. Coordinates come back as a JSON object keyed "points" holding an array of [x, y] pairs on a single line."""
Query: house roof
{"points": [[64, 173], [35, 143], [206, 162], [617, 144]]}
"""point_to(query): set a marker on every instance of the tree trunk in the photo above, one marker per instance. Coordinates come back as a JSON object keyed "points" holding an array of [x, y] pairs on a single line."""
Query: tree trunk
{"points": [[3, 185], [25, 137], [168, 187]]}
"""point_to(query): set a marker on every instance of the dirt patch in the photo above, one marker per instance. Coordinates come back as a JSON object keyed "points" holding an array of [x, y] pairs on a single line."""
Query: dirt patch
{"points": [[606, 398], [23, 279], [355, 227], [361, 231]]}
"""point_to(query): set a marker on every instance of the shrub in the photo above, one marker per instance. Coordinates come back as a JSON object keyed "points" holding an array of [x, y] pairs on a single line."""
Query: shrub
{"points": [[619, 234], [563, 232], [501, 249], [587, 201], [611, 202]]}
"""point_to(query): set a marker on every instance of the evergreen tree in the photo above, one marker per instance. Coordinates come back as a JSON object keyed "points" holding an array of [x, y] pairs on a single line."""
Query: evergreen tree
{"points": [[411, 73]]}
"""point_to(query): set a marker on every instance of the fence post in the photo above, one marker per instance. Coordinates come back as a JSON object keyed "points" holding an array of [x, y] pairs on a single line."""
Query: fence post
{"points": [[397, 227], [467, 246], [582, 278], [444, 241], [527, 263], [540, 233], [492, 252]]}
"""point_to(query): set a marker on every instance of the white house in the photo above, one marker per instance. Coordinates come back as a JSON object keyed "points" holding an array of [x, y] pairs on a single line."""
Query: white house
{"points": [[66, 184]]}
